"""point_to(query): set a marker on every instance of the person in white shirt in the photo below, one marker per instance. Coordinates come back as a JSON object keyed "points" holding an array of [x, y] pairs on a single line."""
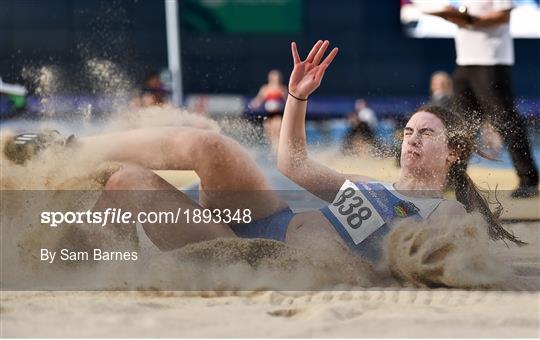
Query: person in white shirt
{"points": [[483, 80]]}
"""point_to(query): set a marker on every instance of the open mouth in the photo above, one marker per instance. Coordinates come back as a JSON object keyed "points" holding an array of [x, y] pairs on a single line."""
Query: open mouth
{"points": [[413, 154]]}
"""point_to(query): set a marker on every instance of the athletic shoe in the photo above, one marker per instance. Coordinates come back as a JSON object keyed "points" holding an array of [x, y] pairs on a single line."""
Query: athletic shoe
{"points": [[24, 146], [524, 191]]}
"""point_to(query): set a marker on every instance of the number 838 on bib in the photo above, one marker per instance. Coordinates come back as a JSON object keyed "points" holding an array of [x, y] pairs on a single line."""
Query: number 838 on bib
{"points": [[354, 211]]}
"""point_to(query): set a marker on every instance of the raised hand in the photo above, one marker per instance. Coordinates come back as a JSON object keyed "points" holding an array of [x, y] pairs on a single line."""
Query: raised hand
{"points": [[307, 75]]}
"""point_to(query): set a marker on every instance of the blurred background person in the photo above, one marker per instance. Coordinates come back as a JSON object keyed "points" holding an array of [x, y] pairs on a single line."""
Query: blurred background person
{"points": [[271, 97], [362, 129], [153, 92], [440, 89], [366, 114], [483, 80]]}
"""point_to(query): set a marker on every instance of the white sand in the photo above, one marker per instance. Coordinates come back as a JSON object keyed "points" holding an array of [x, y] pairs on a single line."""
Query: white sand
{"points": [[370, 313], [373, 312]]}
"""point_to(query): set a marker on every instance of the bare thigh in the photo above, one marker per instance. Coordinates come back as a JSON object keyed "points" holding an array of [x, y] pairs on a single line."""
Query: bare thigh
{"points": [[159, 207], [229, 177]]}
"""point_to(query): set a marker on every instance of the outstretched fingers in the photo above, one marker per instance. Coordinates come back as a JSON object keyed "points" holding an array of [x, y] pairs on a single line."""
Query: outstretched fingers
{"points": [[330, 57], [294, 50], [314, 51], [324, 65], [320, 53]]}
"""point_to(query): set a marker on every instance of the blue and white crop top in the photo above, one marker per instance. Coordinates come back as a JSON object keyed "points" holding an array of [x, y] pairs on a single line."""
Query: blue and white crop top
{"points": [[362, 214]]}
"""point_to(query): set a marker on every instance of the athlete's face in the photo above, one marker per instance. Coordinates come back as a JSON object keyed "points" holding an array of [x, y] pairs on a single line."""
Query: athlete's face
{"points": [[425, 145]]}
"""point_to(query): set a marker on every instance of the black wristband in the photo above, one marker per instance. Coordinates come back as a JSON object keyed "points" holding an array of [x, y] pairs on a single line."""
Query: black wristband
{"points": [[295, 97]]}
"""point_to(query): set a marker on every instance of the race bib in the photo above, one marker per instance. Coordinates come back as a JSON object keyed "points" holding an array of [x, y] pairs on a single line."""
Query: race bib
{"points": [[355, 212]]}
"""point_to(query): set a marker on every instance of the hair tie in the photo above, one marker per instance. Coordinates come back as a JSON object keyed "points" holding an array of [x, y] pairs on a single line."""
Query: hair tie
{"points": [[295, 97]]}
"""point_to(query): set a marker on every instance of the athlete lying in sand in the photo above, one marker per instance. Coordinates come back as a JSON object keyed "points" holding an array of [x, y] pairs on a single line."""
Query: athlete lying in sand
{"points": [[362, 210]]}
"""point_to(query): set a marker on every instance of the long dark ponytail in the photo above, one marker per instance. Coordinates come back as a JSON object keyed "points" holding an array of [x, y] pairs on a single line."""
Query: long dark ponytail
{"points": [[461, 139]]}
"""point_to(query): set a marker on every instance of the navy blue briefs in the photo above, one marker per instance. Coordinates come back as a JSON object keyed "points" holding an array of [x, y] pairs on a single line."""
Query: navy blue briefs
{"points": [[273, 227]]}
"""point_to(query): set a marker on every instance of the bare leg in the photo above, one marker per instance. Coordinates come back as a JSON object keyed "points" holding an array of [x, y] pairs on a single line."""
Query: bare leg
{"points": [[141, 190], [230, 178]]}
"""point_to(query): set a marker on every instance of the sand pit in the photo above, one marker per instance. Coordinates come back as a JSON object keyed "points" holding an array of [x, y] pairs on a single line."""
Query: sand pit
{"points": [[369, 313], [341, 311], [366, 304], [336, 311]]}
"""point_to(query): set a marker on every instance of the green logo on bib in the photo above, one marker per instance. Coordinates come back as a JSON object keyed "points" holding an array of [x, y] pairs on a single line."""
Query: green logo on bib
{"points": [[404, 209]]}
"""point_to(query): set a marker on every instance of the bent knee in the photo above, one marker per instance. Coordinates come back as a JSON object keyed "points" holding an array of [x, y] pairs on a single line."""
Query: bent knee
{"points": [[215, 148], [128, 177]]}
